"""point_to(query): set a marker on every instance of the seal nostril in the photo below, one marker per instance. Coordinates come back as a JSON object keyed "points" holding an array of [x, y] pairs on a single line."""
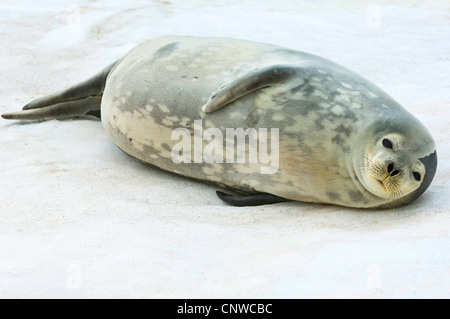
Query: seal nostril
{"points": [[390, 167], [395, 173]]}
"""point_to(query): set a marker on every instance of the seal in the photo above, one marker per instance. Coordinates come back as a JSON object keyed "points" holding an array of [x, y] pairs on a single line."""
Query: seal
{"points": [[341, 140]]}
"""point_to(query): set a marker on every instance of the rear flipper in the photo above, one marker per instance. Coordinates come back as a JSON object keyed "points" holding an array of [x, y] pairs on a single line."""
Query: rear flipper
{"points": [[59, 110], [79, 100], [251, 200]]}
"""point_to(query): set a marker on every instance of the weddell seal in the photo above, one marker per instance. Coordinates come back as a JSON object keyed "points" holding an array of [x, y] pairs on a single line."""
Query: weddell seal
{"points": [[311, 130]]}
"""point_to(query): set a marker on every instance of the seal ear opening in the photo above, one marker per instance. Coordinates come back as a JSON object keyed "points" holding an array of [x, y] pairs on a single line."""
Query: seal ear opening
{"points": [[250, 200]]}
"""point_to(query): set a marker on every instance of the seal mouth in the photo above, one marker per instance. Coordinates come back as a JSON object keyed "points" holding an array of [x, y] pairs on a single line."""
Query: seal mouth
{"points": [[382, 185]]}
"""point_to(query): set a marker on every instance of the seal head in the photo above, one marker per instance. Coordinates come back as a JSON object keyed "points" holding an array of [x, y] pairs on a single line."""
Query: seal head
{"points": [[399, 164]]}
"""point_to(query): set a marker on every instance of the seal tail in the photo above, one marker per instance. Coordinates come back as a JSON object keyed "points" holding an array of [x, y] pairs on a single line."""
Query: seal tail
{"points": [[82, 99]]}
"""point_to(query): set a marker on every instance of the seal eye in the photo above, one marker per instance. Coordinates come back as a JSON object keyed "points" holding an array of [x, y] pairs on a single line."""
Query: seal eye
{"points": [[416, 176], [387, 143]]}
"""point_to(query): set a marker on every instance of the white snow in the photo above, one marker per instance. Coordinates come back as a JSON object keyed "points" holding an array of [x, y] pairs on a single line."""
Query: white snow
{"points": [[79, 218]]}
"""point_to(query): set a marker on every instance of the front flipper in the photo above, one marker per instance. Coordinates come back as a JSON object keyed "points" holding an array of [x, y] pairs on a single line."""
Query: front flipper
{"points": [[251, 200], [248, 83]]}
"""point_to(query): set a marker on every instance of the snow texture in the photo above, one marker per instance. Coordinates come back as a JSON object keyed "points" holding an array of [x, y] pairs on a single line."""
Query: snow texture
{"points": [[81, 219]]}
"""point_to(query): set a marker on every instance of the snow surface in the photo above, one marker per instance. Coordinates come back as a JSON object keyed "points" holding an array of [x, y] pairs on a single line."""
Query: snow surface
{"points": [[81, 219]]}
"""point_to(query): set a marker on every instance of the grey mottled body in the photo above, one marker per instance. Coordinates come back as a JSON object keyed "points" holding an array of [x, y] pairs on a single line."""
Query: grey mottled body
{"points": [[331, 121]]}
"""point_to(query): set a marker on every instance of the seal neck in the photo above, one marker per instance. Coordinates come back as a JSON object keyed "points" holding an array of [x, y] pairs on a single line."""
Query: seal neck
{"points": [[357, 166]]}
